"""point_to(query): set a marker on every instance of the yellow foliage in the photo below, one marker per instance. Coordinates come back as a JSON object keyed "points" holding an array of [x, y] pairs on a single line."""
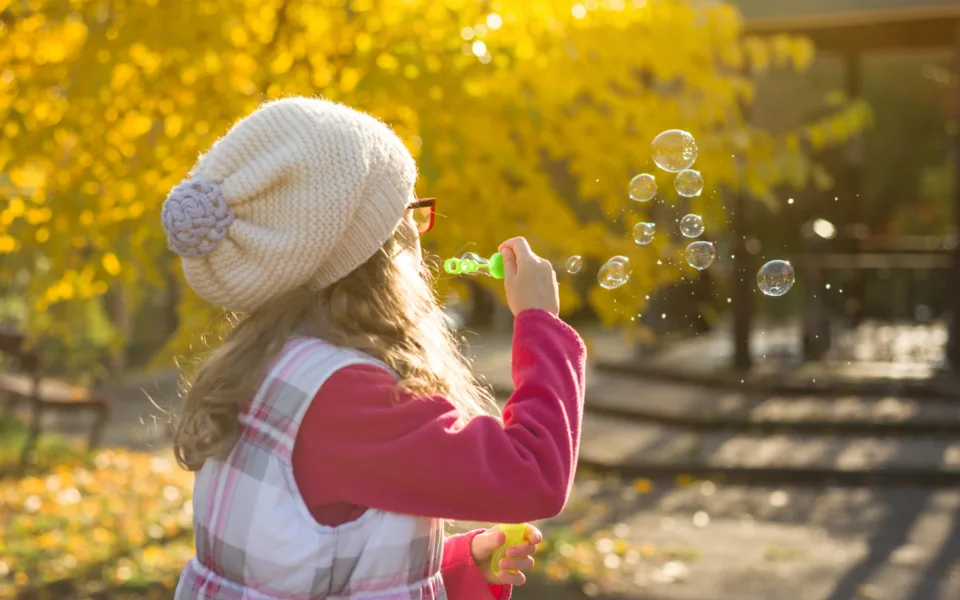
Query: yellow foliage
{"points": [[111, 264], [529, 120], [58, 525], [7, 244]]}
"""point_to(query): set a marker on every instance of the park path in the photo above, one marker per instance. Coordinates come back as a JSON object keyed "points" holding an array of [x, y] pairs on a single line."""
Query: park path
{"points": [[713, 541], [617, 440]]}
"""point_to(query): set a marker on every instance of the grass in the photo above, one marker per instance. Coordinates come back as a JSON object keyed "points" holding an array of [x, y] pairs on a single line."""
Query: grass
{"points": [[50, 449]]}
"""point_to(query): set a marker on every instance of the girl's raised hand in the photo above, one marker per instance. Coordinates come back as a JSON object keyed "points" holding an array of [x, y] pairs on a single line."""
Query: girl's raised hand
{"points": [[519, 558], [530, 281]]}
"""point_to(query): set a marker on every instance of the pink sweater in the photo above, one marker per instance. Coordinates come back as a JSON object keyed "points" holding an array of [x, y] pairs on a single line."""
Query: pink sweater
{"points": [[360, 447]]}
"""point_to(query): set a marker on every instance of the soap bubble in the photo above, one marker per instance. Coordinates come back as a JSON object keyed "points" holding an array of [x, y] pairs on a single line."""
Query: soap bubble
{"points": [[775, 278], [614, 273], [689, 183], [643, 233], [691, 226], [471, 262], [642, 188], [574, 264], [700, 255], [674, 150]]}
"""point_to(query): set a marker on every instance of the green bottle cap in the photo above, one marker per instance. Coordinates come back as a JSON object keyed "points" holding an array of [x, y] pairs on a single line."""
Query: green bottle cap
{"points": [[495, 268]]}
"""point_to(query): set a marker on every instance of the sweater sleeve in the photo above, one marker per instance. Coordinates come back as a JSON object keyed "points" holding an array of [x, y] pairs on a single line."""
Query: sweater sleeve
{"points": [[361, 443], [462, 576]]}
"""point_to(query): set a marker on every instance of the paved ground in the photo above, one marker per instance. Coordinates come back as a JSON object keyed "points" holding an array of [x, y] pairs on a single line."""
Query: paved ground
{"points": [[613, 390], [909, 350], [137, 422], [705, 541], [608, 439], [710, 542]]}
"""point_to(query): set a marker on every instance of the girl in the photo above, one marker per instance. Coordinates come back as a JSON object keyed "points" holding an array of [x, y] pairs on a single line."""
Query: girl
{"points": [[339, 424]]}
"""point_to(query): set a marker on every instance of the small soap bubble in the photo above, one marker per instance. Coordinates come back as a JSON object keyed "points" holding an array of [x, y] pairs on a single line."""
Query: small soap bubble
{"points": [[689, 183], [701, 255], [614, 273], [674, 150], [574, 264], [691, 226], [642, 188], [473, 263], [775, 278], [643, 233]]}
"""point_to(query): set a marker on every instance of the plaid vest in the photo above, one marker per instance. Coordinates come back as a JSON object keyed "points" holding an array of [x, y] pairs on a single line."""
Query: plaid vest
{"points": [[255, 537]]}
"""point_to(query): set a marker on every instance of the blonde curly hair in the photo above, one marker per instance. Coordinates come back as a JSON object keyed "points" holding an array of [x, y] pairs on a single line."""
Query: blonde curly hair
{"points": [[383, 308]]}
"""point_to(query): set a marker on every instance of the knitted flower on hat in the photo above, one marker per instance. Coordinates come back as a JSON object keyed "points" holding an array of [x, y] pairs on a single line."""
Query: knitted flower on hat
{"points": [[301, 191]]}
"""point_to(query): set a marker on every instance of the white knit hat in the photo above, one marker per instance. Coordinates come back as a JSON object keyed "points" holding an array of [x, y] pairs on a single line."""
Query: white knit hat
{"points": [[301, 191]]}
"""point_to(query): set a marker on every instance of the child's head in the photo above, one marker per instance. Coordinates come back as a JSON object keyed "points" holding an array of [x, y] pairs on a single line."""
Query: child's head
{"points": [[300, 220]]}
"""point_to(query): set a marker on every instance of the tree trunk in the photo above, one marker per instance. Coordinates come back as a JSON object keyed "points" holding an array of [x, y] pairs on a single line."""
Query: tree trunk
{"points": [[122, 321], [482, 306]]}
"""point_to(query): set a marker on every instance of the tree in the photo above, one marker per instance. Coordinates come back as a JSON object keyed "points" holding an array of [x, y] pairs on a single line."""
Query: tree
{"points": [[910, 185], [107, 103]]}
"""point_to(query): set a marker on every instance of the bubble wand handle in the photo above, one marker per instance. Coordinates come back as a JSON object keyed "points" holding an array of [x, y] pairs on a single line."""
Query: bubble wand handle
{"points": [[457, 266]]}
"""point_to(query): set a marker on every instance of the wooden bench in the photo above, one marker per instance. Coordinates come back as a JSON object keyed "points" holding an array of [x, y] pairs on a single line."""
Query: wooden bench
{"points": [[26, 383]]}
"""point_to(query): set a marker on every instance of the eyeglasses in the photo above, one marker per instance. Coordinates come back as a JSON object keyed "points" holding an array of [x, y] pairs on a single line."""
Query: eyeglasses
{"points": [[423, 213]]}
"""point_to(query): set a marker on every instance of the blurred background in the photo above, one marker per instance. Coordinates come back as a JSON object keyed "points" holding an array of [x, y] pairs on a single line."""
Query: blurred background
{"points": [[735, 445]]}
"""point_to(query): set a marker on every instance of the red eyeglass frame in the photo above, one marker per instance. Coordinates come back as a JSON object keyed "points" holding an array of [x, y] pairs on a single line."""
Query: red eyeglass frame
{"points": [[425, 225]]}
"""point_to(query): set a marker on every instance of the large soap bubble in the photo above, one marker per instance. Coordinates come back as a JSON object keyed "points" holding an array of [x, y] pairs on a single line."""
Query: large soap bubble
{"points": [[642, 188], [674, 150], [775, 278], [614, 273], [643, 233], [691, 226], [701, 255], [689, 183]]}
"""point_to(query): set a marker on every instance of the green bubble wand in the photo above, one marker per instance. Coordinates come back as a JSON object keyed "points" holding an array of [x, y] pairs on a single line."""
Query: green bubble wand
{"points": [[471, 263]]}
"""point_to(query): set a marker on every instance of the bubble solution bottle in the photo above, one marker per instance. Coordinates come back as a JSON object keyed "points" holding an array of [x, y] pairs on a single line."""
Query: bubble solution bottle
{"points": [[515, 533]]}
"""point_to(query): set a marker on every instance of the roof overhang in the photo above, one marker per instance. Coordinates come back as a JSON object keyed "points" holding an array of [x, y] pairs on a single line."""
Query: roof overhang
{"points": [[852, 30]]}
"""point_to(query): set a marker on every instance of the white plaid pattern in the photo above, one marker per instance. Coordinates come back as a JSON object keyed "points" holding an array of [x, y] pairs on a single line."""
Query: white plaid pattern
{"points": [[255, 537]]}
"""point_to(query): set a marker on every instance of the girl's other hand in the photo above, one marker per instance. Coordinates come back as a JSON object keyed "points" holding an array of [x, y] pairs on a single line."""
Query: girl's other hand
{"points": [[529, 280], [519, 558]]}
